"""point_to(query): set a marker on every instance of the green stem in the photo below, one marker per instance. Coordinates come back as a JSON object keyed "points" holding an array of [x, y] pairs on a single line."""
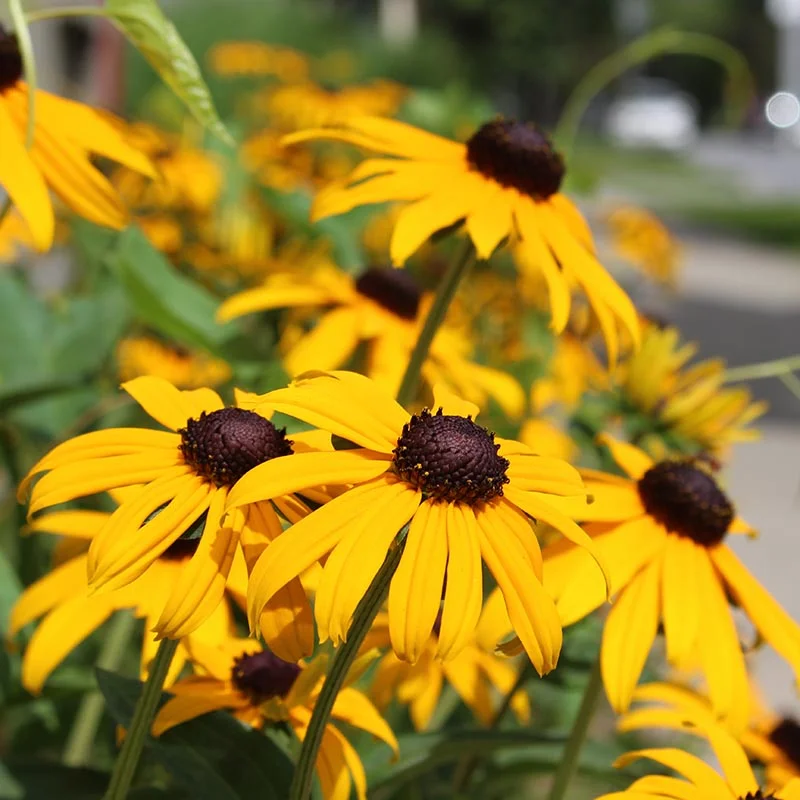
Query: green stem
{"points": [[346, 654], [146, 705], [66, 11], [441, 303], [568, 765], [78, 749], [28, 64], [766, 369], [466, 768], [664, 40]]}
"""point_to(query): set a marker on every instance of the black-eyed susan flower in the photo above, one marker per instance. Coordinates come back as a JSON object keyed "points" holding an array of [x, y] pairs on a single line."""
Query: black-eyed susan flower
{"points": [[477, 673], [185, 475], [662, 532], [699, 781], [688, 403], [504, 182], [146, 355], [66, 135], [383, 308], [465, 496], [645, 242], [260, 689], [70, 612], [769, 739]]}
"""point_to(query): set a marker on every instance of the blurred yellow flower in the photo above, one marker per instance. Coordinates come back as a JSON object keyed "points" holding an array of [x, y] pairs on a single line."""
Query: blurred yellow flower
{"points": [[690, 402], [259, 59], [641, 239], [145, 355], [384, 308], [66, 136], [262, 689]]}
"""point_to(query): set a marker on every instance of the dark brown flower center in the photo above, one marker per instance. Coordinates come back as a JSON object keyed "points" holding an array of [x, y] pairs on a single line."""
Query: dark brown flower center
{"points": [[450, 458], [516, 155], [262, 676], [686, 499], [786, 737], [392, 289], [10, 60], [758, 796], [223, 445]]}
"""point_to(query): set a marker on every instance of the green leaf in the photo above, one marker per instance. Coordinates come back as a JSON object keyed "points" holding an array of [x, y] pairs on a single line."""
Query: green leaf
{"points": [[36, 780], [213, 757], [158, 40], [164, 299]]}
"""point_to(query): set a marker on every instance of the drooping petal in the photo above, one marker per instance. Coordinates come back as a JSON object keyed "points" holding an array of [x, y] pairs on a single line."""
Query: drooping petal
{"points": [[633, 460], [416, 589], [691, 767], [353, 707], [680, 598], [490, 221], [201, 585], [629, 634], [183, 707], [75, 524], [354, 561], [463, 595], [287, 623]]}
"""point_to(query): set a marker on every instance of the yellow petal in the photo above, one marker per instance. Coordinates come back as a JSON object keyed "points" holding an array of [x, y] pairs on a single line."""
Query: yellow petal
{"points": [[168, 405], [272, 295], [329, 345], [680, 598], [73, 523], [287, 623], [452, 404], [490, 221], [415, 593], [353, 707], [24, 183], [629, 634], [182, 708], [691, 767], [633, 460]]}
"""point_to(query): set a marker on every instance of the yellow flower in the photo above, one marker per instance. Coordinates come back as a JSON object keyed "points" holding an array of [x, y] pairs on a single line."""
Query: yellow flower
{"points": [[504, 182], [572, 371], [71, 613], [186, 177], [66, 135], [465, 496], [692, 402], [662, 534], [474, 673], [309, 105], [262, 689], [768, 738], [273, 165], [257, 58], [698, 780], [544, 437], [385, 309], [645, 242], [186, 476], [145, 355]]}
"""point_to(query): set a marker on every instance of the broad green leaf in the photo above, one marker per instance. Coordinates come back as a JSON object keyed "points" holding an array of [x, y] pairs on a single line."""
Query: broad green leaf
{"points": [[165, 300], [158, 40], [35, 780], [213, 757]]}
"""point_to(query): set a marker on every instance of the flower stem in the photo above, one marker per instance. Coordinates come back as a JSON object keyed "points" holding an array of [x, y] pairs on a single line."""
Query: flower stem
{"points": [[663, 40], [128, 758], [466, 768], [28, 63], [568, 765], [78, 749], [765, 369], [441, 303], [365, 613]]}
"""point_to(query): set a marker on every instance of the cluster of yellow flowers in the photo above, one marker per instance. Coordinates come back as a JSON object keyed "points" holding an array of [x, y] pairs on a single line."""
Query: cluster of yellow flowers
{"points": [[390, 517]]}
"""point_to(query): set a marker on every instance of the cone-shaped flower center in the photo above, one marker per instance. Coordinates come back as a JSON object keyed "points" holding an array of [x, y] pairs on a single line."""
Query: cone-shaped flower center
{"points": [[786, 737], [686, 499], [224, 445], [262, 676], [517, 155], [450, 458], [392, 289], [10, 60]]}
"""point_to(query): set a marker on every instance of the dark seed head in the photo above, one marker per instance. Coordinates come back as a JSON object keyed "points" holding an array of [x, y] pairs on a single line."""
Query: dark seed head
{"points": [[262, 676], [684, 497], [224, 445], [450, 458], [10, 59], [392, 289], [786, 737], [758, 796], [517, 155]]}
